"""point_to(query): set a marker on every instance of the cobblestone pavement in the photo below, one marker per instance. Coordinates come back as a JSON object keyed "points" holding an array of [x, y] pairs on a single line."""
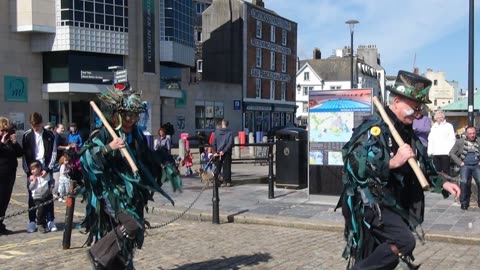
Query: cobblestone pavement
{"points": [[202, 245]]}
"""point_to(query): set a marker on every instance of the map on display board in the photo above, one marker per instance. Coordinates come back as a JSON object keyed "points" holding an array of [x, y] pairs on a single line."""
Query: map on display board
{"points": [[333, 114]]}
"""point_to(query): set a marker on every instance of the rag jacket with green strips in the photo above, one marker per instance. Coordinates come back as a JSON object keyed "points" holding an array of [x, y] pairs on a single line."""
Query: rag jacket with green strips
{"points": [[111, 186], [368, 182]]}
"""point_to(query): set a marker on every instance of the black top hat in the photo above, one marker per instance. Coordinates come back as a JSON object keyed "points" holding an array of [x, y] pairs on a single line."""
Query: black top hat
{"points": [[412, 86]]}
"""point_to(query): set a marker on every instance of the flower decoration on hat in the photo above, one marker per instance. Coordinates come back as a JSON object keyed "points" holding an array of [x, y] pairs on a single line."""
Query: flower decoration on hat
{"points": [[123, 101], [412, 86]]}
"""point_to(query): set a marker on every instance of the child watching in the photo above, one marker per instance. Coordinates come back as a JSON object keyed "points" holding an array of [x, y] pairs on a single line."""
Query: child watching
{"points": [[206, 156], [188, 163], [40, 191], [64, 179]]}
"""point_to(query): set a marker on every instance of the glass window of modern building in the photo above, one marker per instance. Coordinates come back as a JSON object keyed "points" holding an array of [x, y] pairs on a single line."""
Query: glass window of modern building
{"points": [[109, 15], [176, 21]]}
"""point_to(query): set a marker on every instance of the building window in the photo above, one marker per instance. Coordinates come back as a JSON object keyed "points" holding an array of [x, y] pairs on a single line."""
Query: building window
{"points": [[259, 29], [272, 89], [207, 114], [258, 88], [306, 76], [435, 82], [284, 37], [272, 33], [199, 36], [305, 106], [272, 60], [199, 65], [258, 57], [284, 63], [284, 91], [305, 91], [200, 7]]}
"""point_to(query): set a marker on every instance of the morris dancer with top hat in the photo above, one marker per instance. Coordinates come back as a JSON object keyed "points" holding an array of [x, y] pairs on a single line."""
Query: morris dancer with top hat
{"points": [[116, 195], [382, 201]]}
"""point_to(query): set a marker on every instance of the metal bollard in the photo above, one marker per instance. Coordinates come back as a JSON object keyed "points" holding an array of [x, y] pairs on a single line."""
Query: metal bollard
{"points": [[215, 197], [67, 233], [271, 194]]}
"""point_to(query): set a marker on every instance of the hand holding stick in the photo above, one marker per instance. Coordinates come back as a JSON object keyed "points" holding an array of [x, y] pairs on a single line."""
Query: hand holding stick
{"points": [[114, 135], [411, 161]]}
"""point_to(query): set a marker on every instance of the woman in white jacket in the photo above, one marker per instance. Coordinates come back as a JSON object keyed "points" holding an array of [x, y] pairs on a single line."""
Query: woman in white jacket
{"points": [[440, 141]]}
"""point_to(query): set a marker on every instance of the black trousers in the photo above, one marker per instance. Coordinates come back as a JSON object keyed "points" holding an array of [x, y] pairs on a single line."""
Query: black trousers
{"points": [[442, 163], [41, 212], [225, 165], [49, 208], [7, 180], [393, 231]]}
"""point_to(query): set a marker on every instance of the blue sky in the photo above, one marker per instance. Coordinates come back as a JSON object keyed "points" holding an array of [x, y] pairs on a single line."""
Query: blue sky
{"points": [[436, 31]]}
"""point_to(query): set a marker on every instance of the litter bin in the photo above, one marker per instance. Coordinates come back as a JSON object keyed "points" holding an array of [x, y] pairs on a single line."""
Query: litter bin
{"points": [[291, 158]]}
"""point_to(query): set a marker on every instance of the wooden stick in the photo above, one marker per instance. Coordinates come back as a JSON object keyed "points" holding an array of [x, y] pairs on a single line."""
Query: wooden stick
{"points": [[411, 161], [114, 135]]}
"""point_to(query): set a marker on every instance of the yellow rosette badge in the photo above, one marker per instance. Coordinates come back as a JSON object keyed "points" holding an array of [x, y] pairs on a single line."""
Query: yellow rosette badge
{"points": [[375, 131]]}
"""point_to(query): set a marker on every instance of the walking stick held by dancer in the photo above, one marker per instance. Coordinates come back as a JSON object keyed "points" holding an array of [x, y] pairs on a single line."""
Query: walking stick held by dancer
{"points": [[411, 161], [114, 136]]}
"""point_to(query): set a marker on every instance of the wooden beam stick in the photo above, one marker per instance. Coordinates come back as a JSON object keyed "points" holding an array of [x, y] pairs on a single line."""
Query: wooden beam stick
{"points": [[114, 135], [398, 139]]}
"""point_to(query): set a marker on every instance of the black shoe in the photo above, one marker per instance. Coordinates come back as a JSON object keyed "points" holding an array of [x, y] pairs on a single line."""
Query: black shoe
{"points": [[464, 206], [42, 229]]}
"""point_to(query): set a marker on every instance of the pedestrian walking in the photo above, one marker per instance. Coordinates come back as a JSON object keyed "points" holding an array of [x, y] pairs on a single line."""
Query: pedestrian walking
{"points": [[466, 154], [440, 141], [10, 150], [382, 201], [115, 196]]}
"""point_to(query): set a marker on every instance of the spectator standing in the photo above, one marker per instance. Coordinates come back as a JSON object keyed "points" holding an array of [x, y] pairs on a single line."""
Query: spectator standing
{"points": [[74, 137], [188, 162], [223, 144], [10, 150], [39, 144], [466, 154], [64, 179], [421, 127], [440, 141], [39, 187], [163, 141]]}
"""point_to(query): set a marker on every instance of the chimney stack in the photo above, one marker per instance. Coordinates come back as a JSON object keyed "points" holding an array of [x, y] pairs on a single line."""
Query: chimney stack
{"points": [[416, 71], [317, 54], [258, 3]]}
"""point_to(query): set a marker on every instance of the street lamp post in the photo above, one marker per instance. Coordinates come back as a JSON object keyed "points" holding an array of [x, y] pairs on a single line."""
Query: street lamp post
{"points": [[351, 24], [470, 65]]}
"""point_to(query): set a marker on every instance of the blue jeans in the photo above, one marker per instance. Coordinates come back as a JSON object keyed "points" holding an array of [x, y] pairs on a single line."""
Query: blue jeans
{"points": [[466, 173]]}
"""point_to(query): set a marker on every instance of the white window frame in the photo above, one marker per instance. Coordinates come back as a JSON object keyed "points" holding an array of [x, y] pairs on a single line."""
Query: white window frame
{"points": [[305, 90], [272, 33], [283, 91], [305, 106], [258, 57], [272, 60], [199, 65], [306, 76], [272, 89], [284, 63], [284, 37], [258, 88], [259, 29]]}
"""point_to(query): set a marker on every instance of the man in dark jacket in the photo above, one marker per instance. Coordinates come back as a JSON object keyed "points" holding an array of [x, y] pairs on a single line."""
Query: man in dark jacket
{"points": [[466, 154], [39, 144], [222, 145]]}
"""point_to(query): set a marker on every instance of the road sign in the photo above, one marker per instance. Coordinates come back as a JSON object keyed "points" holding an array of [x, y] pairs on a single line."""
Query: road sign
{"points": [[120, 76]]}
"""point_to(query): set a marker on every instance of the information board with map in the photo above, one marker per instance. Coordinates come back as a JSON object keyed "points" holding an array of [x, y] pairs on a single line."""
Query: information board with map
{"points": [[333, 114]]}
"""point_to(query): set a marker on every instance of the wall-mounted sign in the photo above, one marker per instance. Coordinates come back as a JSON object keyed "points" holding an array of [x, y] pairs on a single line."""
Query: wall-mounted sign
{"points": [[182, 102], [149, 36], [237, 105], [16, 89]]}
